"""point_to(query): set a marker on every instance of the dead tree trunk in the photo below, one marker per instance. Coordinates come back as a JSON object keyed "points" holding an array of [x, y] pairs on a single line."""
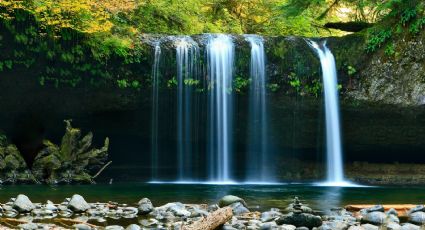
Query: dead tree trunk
{"points": [[212, 221]]}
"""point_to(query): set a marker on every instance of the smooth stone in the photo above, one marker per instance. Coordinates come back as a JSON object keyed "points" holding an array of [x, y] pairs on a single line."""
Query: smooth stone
{"points": [[375, 217], [300, 220], [97, 212], [392, 211], [133, 227], [145, 206], [393, 218], [229, 227], [417, 218], [230, 199], [6, 207], [287, 227], [334, 225], [303, 209], [376, 208], [356, 228], [23, 204], [28, 226], [177, 209], [370, 227], [114, 227], [11, 213], [409, 226], [81, 227], [418, 208], [238, 208], [62, 207], [254, 222], [66, 213], [50, 206], [130, 212], [78, 204], [393, 226], [302, 228], [238, 225], [268, 226], [270, 215]]}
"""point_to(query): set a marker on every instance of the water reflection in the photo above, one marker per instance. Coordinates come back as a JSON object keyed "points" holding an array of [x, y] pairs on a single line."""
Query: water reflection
{"points": [[258, 197]]}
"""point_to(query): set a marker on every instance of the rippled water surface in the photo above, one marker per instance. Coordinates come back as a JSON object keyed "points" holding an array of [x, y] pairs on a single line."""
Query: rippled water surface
{"points": [[258, 197]]}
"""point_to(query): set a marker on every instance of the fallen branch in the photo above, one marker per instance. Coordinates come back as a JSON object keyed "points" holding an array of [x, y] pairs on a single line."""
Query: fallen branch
{"points": [[101, 170], [212, 221]]}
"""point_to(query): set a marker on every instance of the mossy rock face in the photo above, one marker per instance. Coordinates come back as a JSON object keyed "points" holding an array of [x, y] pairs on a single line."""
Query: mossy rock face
{"points": [[13, 168], [74, 161]]}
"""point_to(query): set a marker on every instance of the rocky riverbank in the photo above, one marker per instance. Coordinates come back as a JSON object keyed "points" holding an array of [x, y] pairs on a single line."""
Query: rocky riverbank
{"points": [[77, 213]]}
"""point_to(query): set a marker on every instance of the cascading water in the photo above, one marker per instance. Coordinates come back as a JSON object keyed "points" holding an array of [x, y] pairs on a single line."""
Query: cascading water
{"points": [[220, 54], [155, 107], [335, 171], [187, 57], [258, 166]]}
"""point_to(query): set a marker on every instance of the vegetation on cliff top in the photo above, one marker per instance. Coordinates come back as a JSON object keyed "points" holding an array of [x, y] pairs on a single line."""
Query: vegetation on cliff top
{"points": [[81, 40]]}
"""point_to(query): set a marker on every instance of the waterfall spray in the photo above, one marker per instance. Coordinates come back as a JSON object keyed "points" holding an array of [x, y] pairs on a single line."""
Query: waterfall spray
{"points": [[258, 164], [155, 105], [187, 57], [335, 168], [220, 54]]}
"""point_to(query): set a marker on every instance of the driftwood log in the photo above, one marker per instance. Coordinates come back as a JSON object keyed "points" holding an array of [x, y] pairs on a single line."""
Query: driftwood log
{"points": [[402, 209], [212, 221]]}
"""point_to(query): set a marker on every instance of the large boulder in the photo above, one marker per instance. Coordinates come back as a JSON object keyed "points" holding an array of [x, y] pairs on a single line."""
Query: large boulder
{"points": [[23, 204], [145, 206], [78, 204], [375, 217], [300, 220], [238, 208], [417, 218], [230, 199]]}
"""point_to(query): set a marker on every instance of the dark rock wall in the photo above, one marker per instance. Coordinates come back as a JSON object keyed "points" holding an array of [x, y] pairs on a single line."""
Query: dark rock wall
{"points": [[382, 119]]}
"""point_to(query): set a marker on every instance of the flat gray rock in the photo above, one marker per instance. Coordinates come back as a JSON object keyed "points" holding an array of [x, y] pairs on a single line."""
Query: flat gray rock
{"points": [[23, 204]]}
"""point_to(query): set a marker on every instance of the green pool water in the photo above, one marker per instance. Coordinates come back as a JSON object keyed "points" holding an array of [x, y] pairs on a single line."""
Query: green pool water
{"points": [[258, 197]]}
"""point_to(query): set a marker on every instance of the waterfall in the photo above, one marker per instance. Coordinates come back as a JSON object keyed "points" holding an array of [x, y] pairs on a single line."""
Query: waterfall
{"points": [[258, 165], [155, 106], [187, 58], [220, 55], [335, 171]]}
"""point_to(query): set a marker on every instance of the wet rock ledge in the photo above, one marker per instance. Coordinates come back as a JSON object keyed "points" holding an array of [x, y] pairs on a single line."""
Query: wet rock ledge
{"points": [[229, 213]]}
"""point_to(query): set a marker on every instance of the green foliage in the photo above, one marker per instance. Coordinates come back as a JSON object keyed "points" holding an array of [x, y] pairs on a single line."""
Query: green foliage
{"points": [[294, 81], [351, 70], [315, 88], [191, 81], [125, 83], [240, 84], [172, 83], [377, 39], [273, 87], [390, 49]]}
